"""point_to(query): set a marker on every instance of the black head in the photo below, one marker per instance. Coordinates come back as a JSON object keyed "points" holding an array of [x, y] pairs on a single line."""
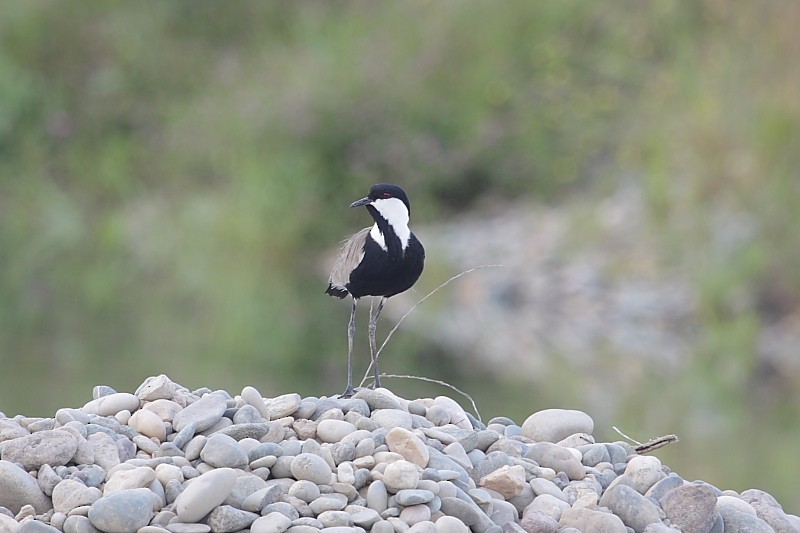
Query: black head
{"points": [[383, 191]]}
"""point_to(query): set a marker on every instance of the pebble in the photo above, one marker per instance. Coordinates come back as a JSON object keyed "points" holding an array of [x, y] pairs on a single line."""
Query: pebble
{"points": [[560, 459], [69, 494], [282, 406], [48, 447], [122, 512], [222, 451], [690, 508], [400, 475], [409, 445], [228, 519], [18, 488], [204, 413], [312, 468], [636, 511], [553, 425], [204, 493], [166, 459], [334, 430]]}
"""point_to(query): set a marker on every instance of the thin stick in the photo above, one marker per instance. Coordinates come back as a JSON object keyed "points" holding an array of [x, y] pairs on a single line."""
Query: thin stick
{"points": [[439, 382], [651, 445], [434, 291]]}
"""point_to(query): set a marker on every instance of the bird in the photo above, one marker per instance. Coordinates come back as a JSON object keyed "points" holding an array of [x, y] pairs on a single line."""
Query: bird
{"points": [[381, 260]]}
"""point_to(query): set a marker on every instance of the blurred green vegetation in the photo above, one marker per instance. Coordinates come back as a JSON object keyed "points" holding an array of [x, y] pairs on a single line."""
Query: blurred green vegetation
{"points": [[173, 174]]}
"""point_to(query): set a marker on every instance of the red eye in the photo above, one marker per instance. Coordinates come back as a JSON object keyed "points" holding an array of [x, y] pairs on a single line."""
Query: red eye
{"points": [[387, 195]]}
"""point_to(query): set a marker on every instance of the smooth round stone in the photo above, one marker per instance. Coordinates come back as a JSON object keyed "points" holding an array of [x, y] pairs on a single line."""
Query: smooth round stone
{"points": [[725, 503], [415, 513], [227, 519], [560, 459], [509, 481], [643, 472], [335, 519], [409, 445], [47, 479], [662, 487], [438, 415], [549, 505], [135, 478], [18, 488], [248, 414], [312, 468], [204, 493], [585, 519], [112, 404], [635, 510], [466, 513], [156, 388], [167, 472], [408, 497], [690, 507], [400, 475], [768, 509], [179, 527], [741, 522], [377, 496], [255, 399], [205, 412], [593, 454], [305, 490], [458, 417], [165, 409], [123, 512], [451, 524], [392, 418], [69, 494], [541, 486], [331, 430], [328, 502], [283, 405], [222, 451], [148, 424], [272, 523], [246, 484], [256, 501], [553, 425], [52, 447], [365, 518], [34, 526], [78, 524]]}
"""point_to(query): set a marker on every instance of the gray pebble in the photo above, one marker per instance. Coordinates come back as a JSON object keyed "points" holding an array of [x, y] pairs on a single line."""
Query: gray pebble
{"points": [[51, 447], [34, 526], [78, 524], [179, 527], [252, 430], [635, 510], [18, 488], [311, 467], [552, 425], [283, 405], [271, 523], [227, 519], [123, 512], [222, 451], [205, 412], [408, 497], [247, 414], [690, 507]]}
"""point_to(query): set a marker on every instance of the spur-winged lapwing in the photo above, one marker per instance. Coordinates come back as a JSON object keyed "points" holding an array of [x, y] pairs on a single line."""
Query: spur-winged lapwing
{"points": [[382, 260]]}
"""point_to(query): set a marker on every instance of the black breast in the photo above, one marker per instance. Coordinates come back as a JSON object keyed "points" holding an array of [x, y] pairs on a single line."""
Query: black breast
{"points": [[378, 274]]}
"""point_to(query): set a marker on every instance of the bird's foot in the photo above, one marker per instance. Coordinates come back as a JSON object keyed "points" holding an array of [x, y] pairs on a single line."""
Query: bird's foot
{"points": [[348, 393]]}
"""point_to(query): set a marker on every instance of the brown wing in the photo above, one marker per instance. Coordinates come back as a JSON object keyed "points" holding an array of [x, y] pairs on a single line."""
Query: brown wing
{"points": [[350, 255]]}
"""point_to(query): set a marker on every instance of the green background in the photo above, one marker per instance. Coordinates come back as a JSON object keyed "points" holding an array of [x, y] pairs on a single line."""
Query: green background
{"points": [[174, 174]]}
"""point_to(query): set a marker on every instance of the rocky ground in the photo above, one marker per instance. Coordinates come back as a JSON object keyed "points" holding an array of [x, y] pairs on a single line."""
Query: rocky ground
{"points": [[166, 458]]}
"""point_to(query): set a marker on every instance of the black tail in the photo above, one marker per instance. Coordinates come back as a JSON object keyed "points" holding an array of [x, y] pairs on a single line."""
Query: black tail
{"points": [[338, 292]]}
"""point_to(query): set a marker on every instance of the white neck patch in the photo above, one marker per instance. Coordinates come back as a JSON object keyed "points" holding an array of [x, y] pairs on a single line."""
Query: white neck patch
{"points": [[396, 214]]}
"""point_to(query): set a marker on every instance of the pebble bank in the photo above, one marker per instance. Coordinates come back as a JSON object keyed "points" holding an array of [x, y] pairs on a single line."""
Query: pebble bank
{"points": [[167, 459]]}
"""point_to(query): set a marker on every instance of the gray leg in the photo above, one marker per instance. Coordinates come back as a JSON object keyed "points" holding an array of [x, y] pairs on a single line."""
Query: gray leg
{"points": [[373, 346], [351, 331]]}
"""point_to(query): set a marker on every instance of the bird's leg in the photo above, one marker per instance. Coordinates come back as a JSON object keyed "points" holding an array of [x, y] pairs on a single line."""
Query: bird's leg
{"points": [[351, 331], [373, 346]]}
